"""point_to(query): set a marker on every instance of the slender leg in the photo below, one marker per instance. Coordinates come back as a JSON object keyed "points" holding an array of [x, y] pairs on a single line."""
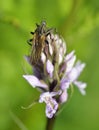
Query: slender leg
{"points": [[29, 42]]}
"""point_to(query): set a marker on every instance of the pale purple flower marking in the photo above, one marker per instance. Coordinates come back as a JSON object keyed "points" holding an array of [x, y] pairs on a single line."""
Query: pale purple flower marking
{"points": [[51, 103], [51, 108]]}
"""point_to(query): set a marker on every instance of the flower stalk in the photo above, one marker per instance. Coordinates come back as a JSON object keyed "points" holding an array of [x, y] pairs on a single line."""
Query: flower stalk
{"points": [[50, 123]]}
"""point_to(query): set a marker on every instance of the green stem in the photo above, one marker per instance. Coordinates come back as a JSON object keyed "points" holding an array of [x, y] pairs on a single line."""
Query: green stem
{"points": [[50, 123]]}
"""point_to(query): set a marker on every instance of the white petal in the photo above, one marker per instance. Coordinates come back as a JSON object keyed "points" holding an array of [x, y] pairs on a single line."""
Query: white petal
{"points": [[35, 82], [49, 68], [60, 59], [50, 46], [50, 49], [64, 47], [43, 57], [81, 86]]}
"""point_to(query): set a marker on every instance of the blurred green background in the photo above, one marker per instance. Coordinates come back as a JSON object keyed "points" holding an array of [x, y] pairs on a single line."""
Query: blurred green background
{"points": [[78, 22]]}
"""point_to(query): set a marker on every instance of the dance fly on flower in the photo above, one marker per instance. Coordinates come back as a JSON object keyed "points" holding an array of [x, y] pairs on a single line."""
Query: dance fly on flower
{"points": [[38, 42]]}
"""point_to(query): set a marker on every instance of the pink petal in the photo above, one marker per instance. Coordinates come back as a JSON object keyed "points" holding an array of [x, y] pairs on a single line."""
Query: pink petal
{"points": [[73, 75], [64, 84], [81, 86], [71, 54], [80, 66], [76, 71], [64, 96], [35, 82]]}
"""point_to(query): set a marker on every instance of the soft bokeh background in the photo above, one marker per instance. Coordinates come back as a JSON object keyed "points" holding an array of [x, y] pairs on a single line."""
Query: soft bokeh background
{"points": [[78, 22]]}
